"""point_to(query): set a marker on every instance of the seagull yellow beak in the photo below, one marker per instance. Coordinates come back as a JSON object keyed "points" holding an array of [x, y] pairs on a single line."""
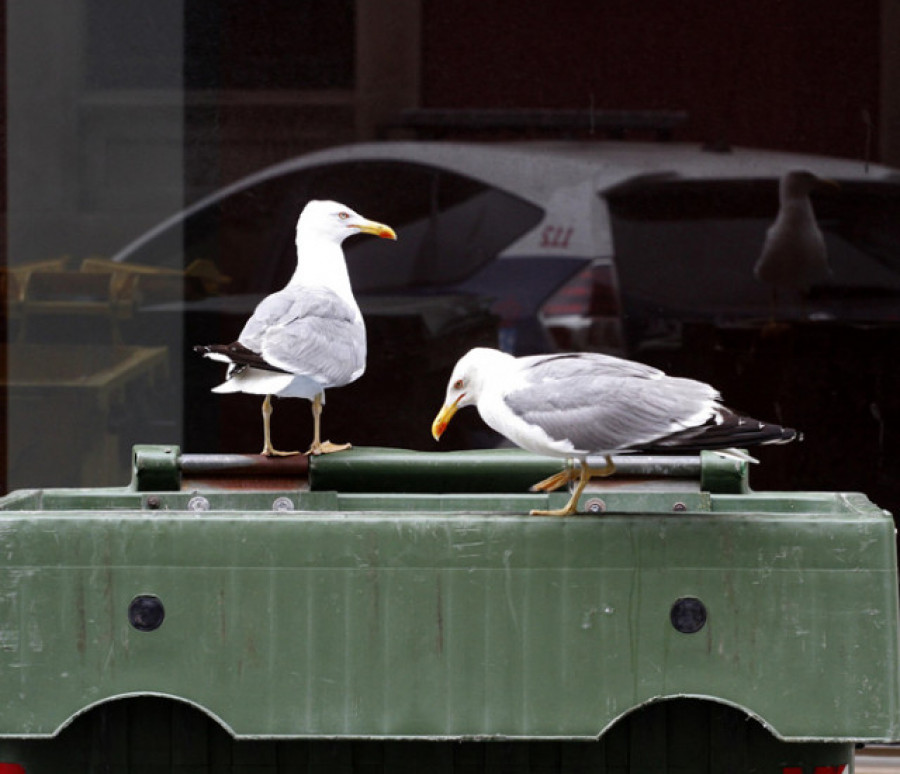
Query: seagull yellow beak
{"points": [[375, 229], [443, 418]]}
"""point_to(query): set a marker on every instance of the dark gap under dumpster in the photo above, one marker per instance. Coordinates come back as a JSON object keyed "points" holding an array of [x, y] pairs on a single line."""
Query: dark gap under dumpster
{"points": [[382, 610]]}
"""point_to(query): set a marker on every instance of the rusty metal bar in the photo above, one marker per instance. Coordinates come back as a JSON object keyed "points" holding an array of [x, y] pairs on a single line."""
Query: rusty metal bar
{"points": [[250, 465]]}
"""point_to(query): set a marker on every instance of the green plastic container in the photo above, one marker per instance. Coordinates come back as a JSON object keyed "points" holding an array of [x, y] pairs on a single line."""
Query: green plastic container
{"points": [[373, 615]]}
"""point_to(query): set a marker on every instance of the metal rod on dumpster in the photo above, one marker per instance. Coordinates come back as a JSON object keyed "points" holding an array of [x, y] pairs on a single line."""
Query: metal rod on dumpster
{"points": [[652, 465], [251, 465], [258, 464]]}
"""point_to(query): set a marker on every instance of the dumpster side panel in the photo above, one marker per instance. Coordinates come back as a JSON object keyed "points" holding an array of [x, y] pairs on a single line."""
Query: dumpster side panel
{"points": [[385, 625]]}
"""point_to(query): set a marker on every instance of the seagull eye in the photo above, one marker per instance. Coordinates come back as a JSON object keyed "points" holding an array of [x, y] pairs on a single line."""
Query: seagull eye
{"points": [[458, 384], [343, 215]]}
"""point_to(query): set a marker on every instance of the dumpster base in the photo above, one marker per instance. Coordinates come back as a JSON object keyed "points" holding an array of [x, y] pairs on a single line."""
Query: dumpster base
{"points": [[152, 734]]}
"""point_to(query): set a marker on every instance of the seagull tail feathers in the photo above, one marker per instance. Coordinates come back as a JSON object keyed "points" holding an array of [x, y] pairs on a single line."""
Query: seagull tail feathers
{"points": [[255, 382]]}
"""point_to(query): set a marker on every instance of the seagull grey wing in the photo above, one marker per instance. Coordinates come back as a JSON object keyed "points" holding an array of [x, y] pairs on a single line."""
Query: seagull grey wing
{"points": [[603, 413], [321, 337], [272, 310], [561, 367]]}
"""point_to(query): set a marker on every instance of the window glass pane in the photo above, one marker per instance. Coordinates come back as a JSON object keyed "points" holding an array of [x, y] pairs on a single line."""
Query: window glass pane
{"points": [[123, 115], [275, 45], [87, 170], [219, 44], [131, 44]]}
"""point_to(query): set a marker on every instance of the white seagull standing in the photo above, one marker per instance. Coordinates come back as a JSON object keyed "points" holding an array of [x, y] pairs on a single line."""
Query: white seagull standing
{"points": [[310, 336], [580, 404], [794, 255]]}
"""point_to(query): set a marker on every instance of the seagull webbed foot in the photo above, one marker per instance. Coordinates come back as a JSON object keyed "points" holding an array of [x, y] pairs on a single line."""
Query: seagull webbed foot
{"points": [[327, 447], [569, 510], [557, 480], [584, 475], [271, 451]]}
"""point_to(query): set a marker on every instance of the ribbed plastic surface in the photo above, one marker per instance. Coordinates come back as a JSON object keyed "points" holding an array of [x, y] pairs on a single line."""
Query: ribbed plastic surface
{"points": [[327, 614]]}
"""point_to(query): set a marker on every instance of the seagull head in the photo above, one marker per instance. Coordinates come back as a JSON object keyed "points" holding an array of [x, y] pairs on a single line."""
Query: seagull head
{"points": [[335, 222], [470, 376], [798, 183]]}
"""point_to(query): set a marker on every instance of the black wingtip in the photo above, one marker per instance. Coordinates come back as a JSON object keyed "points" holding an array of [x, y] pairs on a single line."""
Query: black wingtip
{"points": [[731, 430], [788, 435], [238, 355]]}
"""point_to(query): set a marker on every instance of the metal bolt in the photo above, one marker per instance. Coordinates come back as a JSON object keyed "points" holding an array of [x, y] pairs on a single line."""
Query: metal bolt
{"points": [[283, 504], [198, 503], [595, 505], [153, 502], [688, 615], [146, 612], [679, 507]]}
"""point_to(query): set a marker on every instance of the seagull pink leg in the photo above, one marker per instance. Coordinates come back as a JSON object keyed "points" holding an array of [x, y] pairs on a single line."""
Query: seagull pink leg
{"points": [[317, 446], [268, 449]]}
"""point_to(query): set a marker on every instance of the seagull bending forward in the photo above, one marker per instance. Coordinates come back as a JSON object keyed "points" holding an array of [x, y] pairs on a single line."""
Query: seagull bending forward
{"points": [[580, 404]]}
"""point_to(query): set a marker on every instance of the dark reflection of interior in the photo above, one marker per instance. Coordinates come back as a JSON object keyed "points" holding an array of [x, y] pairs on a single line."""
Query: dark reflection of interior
{"points": [[686, 250]]}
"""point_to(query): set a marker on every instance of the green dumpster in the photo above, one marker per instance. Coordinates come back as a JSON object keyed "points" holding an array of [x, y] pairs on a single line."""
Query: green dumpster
{"points": [[399, 611]]}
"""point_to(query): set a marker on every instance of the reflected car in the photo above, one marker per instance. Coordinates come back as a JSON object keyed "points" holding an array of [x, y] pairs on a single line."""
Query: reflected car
{"points": [[568, 240], [508, 224], [606, 246]]}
